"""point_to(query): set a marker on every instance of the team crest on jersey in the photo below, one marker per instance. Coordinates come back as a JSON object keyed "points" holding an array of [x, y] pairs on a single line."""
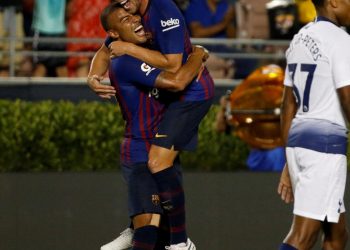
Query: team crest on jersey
{"points": [[155, 199], [154, 92], [170, 24], [146, 68]]}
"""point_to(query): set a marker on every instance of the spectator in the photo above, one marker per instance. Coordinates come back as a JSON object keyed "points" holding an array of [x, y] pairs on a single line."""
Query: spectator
{"points": [[283, 19], [210, 18], [215, 19], [49, 21], [84, 22], [27, 11], [10, 26], [26, 68]]}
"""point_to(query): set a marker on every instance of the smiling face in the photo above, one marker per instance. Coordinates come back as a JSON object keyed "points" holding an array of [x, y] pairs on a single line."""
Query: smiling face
{"points": [[131, 6], [126, 27]]}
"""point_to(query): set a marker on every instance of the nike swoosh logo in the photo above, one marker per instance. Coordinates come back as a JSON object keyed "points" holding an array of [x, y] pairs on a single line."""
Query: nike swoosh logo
{"points": [[160, 136]]}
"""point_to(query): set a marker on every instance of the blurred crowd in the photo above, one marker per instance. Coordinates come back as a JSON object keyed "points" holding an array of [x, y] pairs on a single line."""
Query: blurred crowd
{"points": [[48, 22]]}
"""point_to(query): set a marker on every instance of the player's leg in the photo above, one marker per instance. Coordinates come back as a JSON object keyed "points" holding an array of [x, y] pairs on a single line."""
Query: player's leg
{"points": [[124, 240], [177, 129], [164, 229], [335, 230], [146, 231], [161, 160], [143, 205], [318, 181], [303, 234], [143, 236], [170, 191], [163, 238], [335, 234]]}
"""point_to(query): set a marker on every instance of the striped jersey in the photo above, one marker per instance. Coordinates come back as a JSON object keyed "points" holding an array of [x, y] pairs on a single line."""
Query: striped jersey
{"points": [[140, 105], [169, 35], [318, 63]]}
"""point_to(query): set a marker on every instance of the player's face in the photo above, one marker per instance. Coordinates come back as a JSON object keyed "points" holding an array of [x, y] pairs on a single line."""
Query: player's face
{"points": [[131, 6], [343, 12], [127, 27]]}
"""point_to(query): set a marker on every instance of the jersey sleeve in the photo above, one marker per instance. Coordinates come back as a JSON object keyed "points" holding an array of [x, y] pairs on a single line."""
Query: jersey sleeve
{"points": [[287, 78], [170, 28], [136, 72], [340, 60], [108, 41]]}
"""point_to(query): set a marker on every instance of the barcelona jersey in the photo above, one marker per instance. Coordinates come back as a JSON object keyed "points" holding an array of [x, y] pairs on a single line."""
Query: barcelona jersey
{"points": [[169, 35], [140, 105]]}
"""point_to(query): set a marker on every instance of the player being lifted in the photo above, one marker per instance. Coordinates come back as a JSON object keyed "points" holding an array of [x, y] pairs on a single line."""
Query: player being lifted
{"points": [[316, 98]]}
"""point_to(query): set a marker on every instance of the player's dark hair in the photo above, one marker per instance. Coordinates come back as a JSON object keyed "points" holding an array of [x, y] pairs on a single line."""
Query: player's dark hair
{"points": [[105, 14], [318, 3]]}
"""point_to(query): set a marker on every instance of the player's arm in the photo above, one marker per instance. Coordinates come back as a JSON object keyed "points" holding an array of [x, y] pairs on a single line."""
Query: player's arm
{"points": [[344, 96], [167, 62], [169, 54], [285, 186], [288, 110], [98, 68], [179, 80]]}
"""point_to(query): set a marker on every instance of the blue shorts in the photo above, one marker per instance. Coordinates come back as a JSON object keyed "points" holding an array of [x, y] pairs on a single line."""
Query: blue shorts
{"points": [[180, 123], [142, 189]]}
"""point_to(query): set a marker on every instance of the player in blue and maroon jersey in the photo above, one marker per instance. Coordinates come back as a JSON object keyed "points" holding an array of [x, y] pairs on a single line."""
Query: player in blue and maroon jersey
{"points": [[170, 46], [136, 86]]}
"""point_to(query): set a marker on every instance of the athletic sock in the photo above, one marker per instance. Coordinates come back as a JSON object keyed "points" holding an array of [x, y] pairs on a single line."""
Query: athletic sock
{"points": [[285, 246], [173, 201], [163, 238], [145, 238]]}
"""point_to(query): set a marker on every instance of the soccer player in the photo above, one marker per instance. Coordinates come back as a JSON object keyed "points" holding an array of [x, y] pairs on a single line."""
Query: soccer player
{"points": [[316, 103], [136, 84], [178, 129]]}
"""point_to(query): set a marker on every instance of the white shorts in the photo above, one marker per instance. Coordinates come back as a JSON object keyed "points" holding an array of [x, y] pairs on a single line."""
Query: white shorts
{"points": [[318, 181]]}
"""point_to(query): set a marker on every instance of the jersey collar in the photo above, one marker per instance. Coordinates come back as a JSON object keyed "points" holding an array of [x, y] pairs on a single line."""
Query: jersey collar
{"points": [[322, 18]]}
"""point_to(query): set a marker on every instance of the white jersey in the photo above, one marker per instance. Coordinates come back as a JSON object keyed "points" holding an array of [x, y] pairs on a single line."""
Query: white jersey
{"points": [[318, 63]]}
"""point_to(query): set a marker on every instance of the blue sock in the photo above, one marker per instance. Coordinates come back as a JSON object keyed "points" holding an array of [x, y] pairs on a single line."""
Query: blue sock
{"points": [[173, 201], [285, 246], [145, 238]]}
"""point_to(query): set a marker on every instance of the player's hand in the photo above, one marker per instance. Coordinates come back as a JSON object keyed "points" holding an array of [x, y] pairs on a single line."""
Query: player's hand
{"points": [[200, 49], [117, 48], [285, 186], [102, 90]]}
